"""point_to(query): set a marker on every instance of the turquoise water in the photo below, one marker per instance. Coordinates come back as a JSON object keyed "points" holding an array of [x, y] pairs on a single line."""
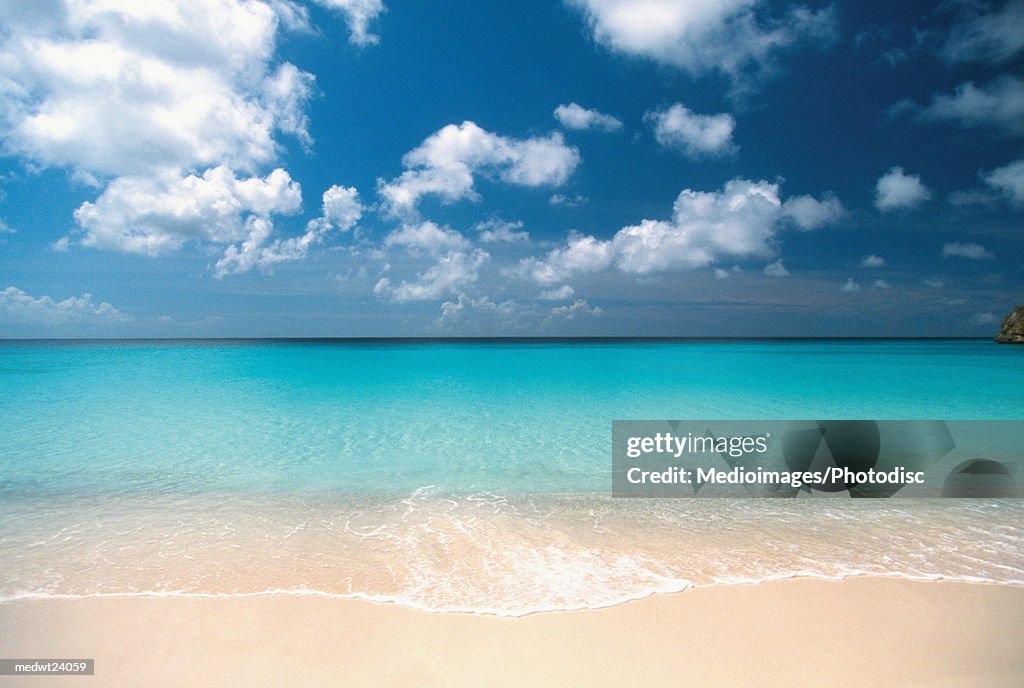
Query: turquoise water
{"points": [[446, 475], [391, 418]]}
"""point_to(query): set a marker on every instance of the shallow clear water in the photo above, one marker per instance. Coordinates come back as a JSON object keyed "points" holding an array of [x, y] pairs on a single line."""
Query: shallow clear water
{"points": [[456, 475]]}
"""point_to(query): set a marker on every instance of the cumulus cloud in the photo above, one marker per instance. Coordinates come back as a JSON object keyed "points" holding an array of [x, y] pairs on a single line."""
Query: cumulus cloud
{"points": [[737, 38], [173, 110], [574, 201], [849, 286], [156, 214], [740, 221], [498, 231], [897, 190], [809, 213], [359, 14], [19, 306], [113, 88], [985, 33], [341, 211], [341, 207], [454, 263], [880, 284], [452, 272], [1009, 181], [776, 269], [453, 312], [427, 237], [448, 161], [577, 308], [997, 105], [580, 254], [695, 135], [560, 294], [872, 261], [971, 251], [573, 116]]}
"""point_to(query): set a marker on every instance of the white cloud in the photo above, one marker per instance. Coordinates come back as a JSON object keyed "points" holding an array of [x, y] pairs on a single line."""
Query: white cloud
{"points": [[578, 307], [934, 283], [157, 214], [453, 312], [448, 161], [568, 201], [721, 274], [5, 228], [740, 221], [1008, 180], [16, 305], [359, 14], [991, 36], [1004, 182], [849, 286], [428, 238], [897, 190], [776, 269], [737, 38], [872, 261], [173, 110], [809, 213], [455, 263], [560, 294], [997, 105], [341, 207], [496, 230], [116, 88], [573, 116], [341, 211], [967, 197], [580, 254], [971, 251], [880, 284], [452, 272], [695, 135]]}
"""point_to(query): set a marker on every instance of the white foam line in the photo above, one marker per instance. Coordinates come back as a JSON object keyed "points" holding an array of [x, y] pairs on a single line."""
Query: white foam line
{"points": [[496, 611]]}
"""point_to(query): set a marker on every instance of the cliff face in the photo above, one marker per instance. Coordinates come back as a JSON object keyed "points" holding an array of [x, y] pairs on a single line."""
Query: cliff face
{"points": [[1012, 331]]}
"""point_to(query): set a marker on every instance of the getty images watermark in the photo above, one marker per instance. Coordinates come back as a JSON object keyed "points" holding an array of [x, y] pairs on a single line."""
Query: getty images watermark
{"points": [[817, 458], [47, 667]]}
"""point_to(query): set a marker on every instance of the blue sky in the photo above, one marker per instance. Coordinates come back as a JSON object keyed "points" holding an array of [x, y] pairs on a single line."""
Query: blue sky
{"points": [[586, 167]]}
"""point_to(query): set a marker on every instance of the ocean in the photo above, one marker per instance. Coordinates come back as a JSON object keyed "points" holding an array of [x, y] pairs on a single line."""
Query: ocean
{"points": [[458, 475]]}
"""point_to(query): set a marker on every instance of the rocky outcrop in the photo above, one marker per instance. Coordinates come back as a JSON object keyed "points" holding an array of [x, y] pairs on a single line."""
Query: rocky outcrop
{"points": [[1012, 331]]}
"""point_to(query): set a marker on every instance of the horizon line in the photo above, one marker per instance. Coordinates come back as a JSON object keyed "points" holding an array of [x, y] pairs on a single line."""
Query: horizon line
{"points": [[499, 339]]}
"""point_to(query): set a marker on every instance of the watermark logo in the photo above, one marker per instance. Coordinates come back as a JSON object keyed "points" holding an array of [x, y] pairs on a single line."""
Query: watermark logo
{"points": [[817, 458]]}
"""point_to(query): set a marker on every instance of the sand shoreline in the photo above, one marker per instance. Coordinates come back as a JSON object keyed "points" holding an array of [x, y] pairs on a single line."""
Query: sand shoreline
{"points": [[798, 632]]}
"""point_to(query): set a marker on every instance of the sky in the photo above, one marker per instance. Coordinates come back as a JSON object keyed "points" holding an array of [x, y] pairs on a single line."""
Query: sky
{"points": [[276, 168]]}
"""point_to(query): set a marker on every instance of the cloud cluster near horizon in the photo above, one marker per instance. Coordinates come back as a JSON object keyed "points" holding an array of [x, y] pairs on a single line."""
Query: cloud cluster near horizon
{"points": [[739, 222]]}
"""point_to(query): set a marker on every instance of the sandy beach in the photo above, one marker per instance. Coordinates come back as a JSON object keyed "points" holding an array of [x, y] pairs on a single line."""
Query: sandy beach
{"points": [[801, 632]]}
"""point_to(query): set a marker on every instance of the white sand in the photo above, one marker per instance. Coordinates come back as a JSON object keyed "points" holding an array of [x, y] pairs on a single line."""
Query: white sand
{"points": [[858, 632]]}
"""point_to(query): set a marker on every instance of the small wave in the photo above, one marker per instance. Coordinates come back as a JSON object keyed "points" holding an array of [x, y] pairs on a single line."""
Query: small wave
{"points": [[489, 553], [496, 611]]}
